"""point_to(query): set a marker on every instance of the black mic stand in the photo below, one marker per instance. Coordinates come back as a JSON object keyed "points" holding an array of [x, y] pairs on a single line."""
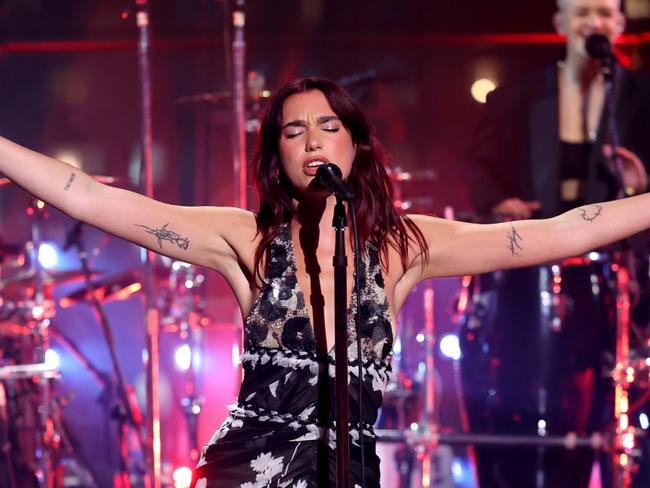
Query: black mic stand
{"points": [[126, 409], [620, 473], [340, 263]]}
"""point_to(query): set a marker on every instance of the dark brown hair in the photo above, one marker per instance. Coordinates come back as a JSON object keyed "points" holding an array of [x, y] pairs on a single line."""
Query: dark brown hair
{"points": [[378, 220]]}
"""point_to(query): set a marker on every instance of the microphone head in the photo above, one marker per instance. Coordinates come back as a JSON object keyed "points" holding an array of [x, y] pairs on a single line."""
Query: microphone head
{"points": [[329, 176], [326, 171], [598, 46]]}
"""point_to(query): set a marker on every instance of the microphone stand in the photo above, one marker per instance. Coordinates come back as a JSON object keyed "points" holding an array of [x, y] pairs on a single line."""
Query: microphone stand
{"points": [[340, 262], [621, 475]]}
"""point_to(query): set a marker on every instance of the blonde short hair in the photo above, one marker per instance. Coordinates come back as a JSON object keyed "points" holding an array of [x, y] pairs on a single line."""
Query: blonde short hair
{"points": [[561, 4]]}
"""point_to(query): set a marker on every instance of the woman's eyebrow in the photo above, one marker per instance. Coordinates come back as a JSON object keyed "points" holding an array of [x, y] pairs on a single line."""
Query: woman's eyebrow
{"points": [[302, 123]]}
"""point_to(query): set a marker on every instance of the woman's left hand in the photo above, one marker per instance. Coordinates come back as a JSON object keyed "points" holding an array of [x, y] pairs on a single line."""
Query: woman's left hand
{"points": [[635, 177]]}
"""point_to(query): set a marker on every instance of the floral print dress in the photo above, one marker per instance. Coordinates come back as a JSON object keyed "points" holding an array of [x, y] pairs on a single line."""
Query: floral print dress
{"points": [[281, 431]]}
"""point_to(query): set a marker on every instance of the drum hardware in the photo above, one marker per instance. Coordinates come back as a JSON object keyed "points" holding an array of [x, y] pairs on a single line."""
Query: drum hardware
{"points": [[596, 441], [182, 307], [619, 438], [424, 436], [26, 371], [125, 409], [416, 201], [120, 286], [625, 453], [26, 279]]}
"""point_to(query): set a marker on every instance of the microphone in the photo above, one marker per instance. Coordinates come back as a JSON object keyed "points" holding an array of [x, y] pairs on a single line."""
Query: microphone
{"points": [[329, 176], [599, 47]]}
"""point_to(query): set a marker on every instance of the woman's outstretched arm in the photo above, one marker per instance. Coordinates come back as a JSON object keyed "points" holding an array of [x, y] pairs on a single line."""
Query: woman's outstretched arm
{"points": [[458, 248], [208, 236]]}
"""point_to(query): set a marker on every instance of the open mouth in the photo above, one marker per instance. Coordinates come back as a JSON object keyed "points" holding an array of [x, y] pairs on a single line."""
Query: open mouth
{"points": [[310, 166]]}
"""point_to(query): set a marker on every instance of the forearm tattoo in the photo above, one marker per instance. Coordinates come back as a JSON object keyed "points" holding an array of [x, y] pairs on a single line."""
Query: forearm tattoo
{"points": [[513, 241], [592, 213], [164, 234], [70, 181]]}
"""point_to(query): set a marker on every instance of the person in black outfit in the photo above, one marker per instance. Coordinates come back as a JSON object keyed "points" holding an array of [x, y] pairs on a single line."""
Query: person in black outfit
{"points": [[541, 148]]}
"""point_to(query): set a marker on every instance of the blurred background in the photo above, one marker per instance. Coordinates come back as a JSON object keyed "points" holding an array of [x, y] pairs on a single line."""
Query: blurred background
{"points": [[69, 87]]}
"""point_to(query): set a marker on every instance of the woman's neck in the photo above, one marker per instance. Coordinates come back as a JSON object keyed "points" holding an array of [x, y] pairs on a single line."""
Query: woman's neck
{"points": [[314, 212]]}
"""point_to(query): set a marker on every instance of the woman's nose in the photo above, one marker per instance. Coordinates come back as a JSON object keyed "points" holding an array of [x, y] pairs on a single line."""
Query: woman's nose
{"points": [[313, 143]]}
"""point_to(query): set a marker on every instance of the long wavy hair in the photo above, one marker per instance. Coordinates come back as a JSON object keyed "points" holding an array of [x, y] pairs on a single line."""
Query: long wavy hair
{"points": [[379, 222]]}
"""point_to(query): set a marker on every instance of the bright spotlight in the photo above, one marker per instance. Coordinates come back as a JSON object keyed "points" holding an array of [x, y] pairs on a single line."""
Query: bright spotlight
{"points": [[182, 477], [450, 347], [234, 353], [183, 357], [52, 359], [196, 360], [47, 255], [643, 421], [481, 88]]}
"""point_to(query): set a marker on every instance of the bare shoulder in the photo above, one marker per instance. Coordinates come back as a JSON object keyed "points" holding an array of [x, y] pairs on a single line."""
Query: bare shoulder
{"points": [[238, 227]]}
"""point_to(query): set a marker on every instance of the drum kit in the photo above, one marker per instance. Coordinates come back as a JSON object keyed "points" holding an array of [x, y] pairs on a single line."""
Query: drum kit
{"points": [[38, 448], [553, 376]]}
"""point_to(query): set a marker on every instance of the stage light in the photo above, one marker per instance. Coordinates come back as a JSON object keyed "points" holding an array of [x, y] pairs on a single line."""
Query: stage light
{"points": [[183, 357], [52, 359], [196, 360], [628, 440], [456, 469], [450, 346], [397, 347], [182, 477], [47, 255], [481, 88], [235, 354], [462, 473], [419, 337], [643, 421]]}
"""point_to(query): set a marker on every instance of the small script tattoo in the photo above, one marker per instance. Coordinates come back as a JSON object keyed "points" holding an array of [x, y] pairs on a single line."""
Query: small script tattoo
{"points": [[70, 181], [592, 213], [513, 241], [164, 234]]}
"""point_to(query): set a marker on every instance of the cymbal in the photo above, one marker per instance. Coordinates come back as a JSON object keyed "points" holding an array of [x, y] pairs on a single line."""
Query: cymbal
{"points": [[25, 371], [50, 278], [116, 287]]}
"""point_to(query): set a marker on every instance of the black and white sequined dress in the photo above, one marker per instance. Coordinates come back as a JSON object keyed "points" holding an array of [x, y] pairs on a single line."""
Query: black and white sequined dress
{"points": [[281, 431]]}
